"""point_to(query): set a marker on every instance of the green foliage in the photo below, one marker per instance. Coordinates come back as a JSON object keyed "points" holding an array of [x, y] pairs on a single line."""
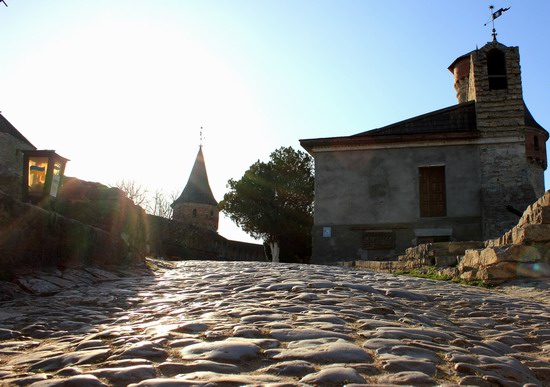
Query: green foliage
{"points": [[273, 201], [431, 272], [427, 272]]}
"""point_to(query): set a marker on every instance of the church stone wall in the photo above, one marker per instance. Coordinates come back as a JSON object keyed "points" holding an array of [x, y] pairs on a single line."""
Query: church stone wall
{"points": [[367, 201], [506, 182]]}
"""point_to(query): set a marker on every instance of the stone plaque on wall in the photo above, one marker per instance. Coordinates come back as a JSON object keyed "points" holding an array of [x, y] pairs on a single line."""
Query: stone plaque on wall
{"points": [[378, 240]]}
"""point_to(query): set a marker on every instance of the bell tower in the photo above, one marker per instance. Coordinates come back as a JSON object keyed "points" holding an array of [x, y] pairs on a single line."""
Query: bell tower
{"points": [[196, 205], [512, 144]]}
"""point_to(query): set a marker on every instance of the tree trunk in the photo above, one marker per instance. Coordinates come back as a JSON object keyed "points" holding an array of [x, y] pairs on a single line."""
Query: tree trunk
{"points": [[274, 246]]}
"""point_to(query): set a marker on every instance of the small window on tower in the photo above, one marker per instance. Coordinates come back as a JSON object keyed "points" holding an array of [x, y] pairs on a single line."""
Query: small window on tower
{"points": [[496, 70], [194, 212], [536, 143]]}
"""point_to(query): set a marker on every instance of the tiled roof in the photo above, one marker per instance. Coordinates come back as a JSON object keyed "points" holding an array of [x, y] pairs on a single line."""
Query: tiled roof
{"points": [[7, 127], [456, 118], [197, 189], [457, 122]]}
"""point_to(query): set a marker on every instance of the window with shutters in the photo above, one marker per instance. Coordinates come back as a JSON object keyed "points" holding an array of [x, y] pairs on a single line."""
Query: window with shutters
{"points": [[432, 191]]}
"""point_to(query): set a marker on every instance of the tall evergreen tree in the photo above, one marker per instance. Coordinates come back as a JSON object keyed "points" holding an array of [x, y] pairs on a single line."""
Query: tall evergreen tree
{"points": [[273, 201]]}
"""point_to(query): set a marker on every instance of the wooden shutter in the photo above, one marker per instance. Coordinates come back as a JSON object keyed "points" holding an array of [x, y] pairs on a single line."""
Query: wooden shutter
{"points": [[432, 191]]}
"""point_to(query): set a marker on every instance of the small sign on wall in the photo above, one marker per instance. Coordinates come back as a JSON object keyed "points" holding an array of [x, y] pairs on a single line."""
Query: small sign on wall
{"points": [[327, 232], [378, 240]]}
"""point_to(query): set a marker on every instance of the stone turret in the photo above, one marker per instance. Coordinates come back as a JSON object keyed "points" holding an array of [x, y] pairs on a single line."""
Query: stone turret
{"points": [[196, 205], [461, 71], [512, 143]]}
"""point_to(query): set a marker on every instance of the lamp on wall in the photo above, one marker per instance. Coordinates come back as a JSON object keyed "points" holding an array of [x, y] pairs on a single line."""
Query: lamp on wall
{"points": [[42, 174]]}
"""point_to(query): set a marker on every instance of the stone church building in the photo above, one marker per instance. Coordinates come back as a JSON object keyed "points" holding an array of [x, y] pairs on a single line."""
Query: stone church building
{"points": [[461, 173]]}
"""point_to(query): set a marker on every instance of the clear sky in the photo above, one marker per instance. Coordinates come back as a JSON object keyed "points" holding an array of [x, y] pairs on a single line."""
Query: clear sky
{"points": [[122, 87]]}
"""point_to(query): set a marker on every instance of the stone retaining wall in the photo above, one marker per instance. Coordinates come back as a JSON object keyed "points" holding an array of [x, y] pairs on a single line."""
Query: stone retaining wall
{"points": [[176, 240], [91, 225], [106, 208], [440, 255], [32, 238], [522, 252]]}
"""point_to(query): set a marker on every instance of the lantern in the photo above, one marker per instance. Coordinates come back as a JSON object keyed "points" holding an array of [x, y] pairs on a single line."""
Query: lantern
{"points": [[42, 174]]}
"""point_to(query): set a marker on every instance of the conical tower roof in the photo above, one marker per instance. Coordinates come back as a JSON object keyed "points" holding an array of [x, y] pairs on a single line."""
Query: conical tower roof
{"points": [[197, 189]]}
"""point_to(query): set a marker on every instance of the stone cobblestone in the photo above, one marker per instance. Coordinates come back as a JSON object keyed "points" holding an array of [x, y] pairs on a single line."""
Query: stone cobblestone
{"points": [[199, 323]]}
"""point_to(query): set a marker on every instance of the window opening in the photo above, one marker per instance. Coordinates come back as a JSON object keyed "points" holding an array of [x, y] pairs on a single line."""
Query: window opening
{"points": [[496, 70]]}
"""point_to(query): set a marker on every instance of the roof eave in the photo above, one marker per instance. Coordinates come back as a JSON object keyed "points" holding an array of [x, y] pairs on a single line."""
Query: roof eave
{"points": [[310, 144]]}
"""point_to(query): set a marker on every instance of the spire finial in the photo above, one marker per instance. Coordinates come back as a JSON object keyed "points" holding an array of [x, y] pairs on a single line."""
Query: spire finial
{"points": [[494, 15], [201, 138]]}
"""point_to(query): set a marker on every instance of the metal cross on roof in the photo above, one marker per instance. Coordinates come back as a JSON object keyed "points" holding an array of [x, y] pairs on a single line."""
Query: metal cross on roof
{"points": [[494, 15]]}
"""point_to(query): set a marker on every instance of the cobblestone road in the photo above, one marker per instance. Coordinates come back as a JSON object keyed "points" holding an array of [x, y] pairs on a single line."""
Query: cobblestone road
{"points": [[244, 323]]}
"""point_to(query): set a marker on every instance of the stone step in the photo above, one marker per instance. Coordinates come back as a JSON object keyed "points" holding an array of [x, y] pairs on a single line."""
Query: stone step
{"points": [[501, 263]]}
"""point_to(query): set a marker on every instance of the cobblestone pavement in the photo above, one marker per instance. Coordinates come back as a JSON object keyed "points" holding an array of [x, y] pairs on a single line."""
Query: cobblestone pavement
{"points": [[248, 323]]}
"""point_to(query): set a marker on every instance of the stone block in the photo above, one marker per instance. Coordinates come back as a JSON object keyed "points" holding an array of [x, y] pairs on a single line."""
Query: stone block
{"points": [[533, 270], [38, 286], [450, 271], [423, 261], [531, 233], [446, 260], [535, 214], [469, 276], [545, 253], [459, 248], [470, 260], [510, 253], [504, 271], [541, 215], [544, 200], [506, 239]]}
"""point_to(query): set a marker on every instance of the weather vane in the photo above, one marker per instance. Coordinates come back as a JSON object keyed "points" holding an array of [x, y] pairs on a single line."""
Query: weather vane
{"points": [[494, 15]]}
